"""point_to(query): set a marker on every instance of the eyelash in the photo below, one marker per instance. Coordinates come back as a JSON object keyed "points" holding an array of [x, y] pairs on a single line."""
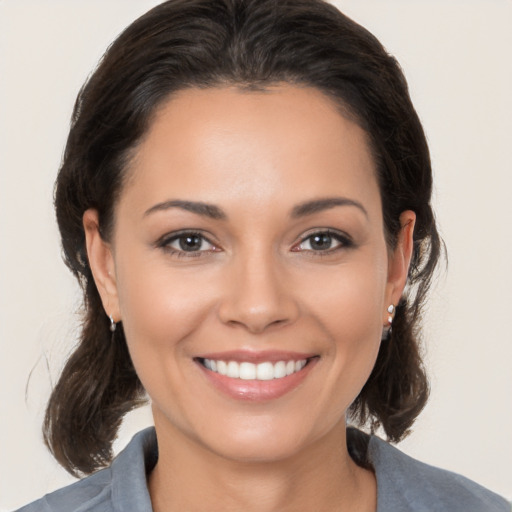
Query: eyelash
{"points": [[345, 242], [165, 242]]}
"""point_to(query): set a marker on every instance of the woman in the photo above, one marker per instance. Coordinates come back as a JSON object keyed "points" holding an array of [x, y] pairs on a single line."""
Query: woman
{"points": [[244, 194]]}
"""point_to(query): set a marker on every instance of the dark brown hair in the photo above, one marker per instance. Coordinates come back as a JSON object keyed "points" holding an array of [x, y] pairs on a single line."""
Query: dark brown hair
{"points": [[250, 44]]}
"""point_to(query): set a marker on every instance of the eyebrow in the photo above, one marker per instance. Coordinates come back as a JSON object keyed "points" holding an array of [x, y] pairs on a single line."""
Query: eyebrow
{"points": [[319, 205], [204, 209], [214, 212]]}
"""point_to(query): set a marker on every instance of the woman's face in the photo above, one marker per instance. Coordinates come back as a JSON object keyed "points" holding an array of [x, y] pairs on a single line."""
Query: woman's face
{"points": [[249, 268]]}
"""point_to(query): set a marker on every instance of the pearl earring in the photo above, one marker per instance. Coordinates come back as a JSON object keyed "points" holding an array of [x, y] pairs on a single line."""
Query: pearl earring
{"points": [[386, 331], [113, 325], [391, 311]]}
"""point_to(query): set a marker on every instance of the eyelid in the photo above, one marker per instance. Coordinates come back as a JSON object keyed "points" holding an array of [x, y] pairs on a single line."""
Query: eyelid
{"points": [[343, 238], [164, 242]]}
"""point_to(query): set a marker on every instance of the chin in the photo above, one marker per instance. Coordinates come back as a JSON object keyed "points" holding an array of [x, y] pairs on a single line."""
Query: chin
{"points": [[258, 449], [264, 440]]}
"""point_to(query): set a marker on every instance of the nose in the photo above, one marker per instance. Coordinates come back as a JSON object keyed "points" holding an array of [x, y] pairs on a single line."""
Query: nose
{"points": [[258, 295]]}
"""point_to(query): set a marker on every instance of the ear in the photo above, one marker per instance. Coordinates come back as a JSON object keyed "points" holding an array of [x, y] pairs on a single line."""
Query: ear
{"points": [[101, 261], [399, 261]]}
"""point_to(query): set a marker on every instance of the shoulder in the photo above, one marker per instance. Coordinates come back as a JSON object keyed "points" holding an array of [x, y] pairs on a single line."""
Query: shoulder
{"points": [[406, 484], [110, 489], [94, 492]]}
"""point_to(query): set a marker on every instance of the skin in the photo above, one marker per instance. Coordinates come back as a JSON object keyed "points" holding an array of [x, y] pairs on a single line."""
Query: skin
{"points": [[255, 284]]}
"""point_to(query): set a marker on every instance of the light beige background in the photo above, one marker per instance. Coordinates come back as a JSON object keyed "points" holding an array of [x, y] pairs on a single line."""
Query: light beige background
{"points": [[456, 56]]}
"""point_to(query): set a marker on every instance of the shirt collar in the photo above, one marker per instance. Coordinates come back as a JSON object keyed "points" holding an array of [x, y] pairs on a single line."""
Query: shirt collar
{"points": [[129, 473]]}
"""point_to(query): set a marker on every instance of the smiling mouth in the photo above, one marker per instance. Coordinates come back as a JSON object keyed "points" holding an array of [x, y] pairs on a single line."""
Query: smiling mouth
{"points": [[263, 371]]}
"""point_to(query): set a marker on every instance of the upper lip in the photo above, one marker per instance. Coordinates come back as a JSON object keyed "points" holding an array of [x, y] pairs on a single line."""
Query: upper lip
{"points": [[252, 356]]}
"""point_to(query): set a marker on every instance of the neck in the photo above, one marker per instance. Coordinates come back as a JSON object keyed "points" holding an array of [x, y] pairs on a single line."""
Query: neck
{"points": [[321, 477]]}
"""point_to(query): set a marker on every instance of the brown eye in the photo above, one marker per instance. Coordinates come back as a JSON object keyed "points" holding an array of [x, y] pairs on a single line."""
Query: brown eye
{"points": [[190, 243], [187, 242], [324, 241], [320, 242]]}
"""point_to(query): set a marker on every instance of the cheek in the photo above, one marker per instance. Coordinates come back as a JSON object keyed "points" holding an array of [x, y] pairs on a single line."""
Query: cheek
{"points": [[162, 311], [350, 300], [159, 308], [349, 310]]}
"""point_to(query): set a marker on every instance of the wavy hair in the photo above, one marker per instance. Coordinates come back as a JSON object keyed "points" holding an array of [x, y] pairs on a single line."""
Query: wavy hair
{"points": [[251, 44]]}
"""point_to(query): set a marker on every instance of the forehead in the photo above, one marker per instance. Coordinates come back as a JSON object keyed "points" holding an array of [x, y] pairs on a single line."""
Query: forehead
{"points": [[224, 144]]}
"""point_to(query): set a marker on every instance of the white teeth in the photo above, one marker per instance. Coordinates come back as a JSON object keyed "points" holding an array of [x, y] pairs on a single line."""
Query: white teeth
{"points": [[247, 371], [250, 371], [233, 370], [222, 367], [280, 370], [265, 371]]}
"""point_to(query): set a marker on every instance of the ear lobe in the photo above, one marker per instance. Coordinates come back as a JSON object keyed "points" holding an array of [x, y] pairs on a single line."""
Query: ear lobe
{"points": [[400, 258], [101, 261]]}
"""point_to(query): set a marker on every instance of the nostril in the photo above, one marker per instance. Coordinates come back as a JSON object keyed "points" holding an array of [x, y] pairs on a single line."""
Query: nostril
{"points": [[262, 302], [255, 326]]}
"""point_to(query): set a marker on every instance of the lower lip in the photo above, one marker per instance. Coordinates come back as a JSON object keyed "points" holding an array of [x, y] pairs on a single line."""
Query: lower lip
{"points": [[257, 390]]}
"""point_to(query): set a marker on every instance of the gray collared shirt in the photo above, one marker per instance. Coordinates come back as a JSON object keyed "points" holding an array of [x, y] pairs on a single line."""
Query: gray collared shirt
{"points": [[403, 484]]}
